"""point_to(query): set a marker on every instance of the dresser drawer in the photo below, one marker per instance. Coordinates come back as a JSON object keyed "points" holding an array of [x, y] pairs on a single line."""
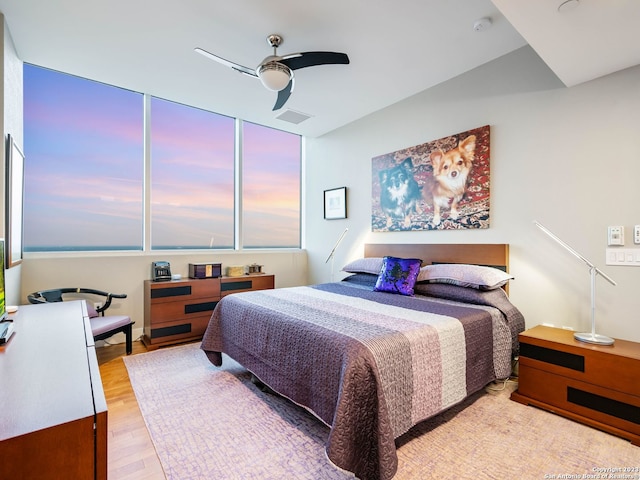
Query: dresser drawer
{"points": [[168, 311], [183, 291], [178, 330], [246, 283]]}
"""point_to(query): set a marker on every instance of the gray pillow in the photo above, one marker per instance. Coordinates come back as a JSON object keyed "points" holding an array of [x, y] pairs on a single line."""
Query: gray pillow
{"points": [[364, 265], [464, 275]]}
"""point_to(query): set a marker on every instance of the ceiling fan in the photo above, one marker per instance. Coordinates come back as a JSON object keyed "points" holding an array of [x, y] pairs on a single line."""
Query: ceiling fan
{"points": [[276, 72]]}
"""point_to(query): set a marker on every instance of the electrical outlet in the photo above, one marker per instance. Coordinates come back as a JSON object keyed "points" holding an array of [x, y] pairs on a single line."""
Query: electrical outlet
{"points": [[615, 235], [636, 234]]}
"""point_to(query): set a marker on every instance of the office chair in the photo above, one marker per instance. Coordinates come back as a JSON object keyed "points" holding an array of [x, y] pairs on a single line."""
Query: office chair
{"points": [[102, 326]]}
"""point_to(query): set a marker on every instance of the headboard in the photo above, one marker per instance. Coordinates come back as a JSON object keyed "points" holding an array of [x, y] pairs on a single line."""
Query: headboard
{"points": [[491, 254]]}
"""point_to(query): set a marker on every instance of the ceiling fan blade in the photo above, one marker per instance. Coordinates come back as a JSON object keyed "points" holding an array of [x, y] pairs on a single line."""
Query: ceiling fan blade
{"points": [[283, 96], [227, 63], [309, 59]]}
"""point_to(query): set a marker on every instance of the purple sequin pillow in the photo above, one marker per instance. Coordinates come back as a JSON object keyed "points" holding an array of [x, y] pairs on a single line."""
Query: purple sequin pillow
{"points": [[398, 275]]}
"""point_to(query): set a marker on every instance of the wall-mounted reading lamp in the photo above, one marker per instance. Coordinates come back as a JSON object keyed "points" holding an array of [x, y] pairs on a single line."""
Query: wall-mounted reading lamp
{"points": [[333, 250]]}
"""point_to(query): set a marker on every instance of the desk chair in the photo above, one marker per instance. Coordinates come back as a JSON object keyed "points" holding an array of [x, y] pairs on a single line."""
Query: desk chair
{"points": [[102, 326]]}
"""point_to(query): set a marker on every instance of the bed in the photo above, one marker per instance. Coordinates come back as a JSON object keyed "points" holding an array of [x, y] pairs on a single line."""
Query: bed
{"points": [[372, 364]]}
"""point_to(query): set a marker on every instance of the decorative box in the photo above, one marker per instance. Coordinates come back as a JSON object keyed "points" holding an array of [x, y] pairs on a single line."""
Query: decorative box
{"points": [[235, 271], [205, 270]]}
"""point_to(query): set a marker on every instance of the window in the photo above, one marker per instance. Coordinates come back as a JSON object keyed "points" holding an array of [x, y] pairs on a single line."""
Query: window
{"points": [[85, 169], [192, 177], [270, 187], [83, 143]]}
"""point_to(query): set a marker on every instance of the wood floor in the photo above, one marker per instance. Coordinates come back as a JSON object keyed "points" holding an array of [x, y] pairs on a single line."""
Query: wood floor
{"points": [[131, 455]]}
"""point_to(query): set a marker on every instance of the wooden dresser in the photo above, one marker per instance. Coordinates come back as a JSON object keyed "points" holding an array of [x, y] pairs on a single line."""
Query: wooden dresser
{"points": [[53, 413], [179, 310], [593, 384]]}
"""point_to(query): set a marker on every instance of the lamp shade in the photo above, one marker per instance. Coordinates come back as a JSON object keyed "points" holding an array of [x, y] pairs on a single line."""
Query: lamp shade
{"points": [[274, 76]]}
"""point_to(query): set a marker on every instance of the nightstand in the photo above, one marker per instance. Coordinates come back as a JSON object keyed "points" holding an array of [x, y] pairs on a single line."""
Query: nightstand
{"points": [[592, 384]]}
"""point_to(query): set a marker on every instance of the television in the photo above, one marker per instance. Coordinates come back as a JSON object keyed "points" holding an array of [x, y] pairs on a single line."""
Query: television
{"points": [[3, 303]]}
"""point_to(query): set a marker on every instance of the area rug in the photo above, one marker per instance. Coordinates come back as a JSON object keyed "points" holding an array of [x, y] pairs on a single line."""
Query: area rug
{"points": [[213, 423]]}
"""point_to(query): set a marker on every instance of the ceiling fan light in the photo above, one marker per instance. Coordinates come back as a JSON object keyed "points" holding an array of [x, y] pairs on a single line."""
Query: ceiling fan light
{"points": [[274, 76]]}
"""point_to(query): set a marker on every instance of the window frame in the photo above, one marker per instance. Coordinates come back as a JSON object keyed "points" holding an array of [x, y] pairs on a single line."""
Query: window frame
{"points": [[146, 198]]}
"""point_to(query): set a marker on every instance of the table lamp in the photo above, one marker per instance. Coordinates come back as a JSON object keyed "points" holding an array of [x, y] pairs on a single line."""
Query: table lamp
{"points": [[589, 337]]}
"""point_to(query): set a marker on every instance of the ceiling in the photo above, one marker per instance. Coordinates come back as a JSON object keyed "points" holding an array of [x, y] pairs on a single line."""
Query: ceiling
{"points": [[397, 49]]}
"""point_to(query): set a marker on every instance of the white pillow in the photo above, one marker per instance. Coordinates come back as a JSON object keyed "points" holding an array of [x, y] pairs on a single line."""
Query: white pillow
{"points": [[364, 265], [463, 275]]}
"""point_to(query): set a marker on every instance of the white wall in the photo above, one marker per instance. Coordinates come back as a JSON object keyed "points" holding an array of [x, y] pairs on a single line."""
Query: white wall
{"points": [[565, 157]]}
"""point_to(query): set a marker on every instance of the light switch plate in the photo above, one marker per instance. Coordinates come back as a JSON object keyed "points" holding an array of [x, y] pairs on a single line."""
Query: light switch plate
{"points": [[636, 234], [628, 257]]}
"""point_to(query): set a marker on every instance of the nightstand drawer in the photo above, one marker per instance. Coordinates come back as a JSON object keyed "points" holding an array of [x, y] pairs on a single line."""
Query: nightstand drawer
{"points": [[600, 404]]}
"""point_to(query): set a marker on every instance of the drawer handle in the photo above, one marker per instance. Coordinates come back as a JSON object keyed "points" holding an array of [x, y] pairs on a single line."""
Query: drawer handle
{"points": [[199, 307], [548, 355], [168, 331]]}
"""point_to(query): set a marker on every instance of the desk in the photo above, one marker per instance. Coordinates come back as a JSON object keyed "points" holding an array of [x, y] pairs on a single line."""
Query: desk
{"points": [[53, 416]]}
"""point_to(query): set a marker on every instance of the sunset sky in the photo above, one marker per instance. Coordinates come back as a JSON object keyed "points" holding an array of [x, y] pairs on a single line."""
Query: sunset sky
{"points": [[84, 171]]}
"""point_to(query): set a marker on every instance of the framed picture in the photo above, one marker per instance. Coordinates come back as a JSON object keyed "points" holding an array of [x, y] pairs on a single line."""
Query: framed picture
{"points": [[335, 203], [443, 184], [15, 199]]}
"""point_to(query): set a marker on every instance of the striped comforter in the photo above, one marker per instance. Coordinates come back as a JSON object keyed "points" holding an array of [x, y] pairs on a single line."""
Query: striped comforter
{"points": [[368, 364]]}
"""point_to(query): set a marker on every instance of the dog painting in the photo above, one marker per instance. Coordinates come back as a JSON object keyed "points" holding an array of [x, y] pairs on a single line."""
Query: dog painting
{"points": [[400, 194], [439, 185], [450, 174]]}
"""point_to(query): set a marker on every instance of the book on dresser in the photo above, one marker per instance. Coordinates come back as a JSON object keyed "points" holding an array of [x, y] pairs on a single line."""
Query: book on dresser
{"points": [[598, 385]]}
